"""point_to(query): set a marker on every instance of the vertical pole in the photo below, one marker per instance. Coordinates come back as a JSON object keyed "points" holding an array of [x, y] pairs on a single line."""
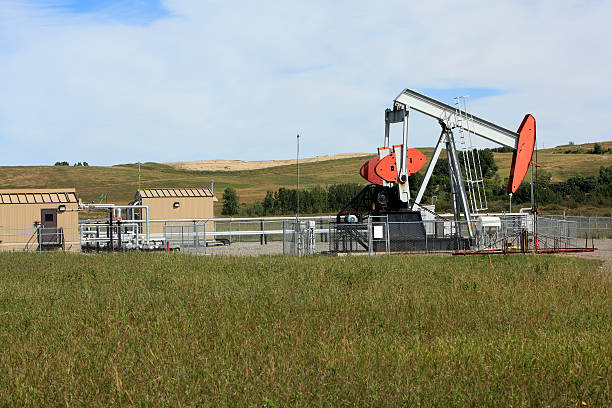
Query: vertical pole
{"points": [[110, 229], [402, 173], [531, 186], [297, 214], [456, 209], [387, 238], [119, 234], [262, 236], [370, 243], [386, 144], [139, 176]]}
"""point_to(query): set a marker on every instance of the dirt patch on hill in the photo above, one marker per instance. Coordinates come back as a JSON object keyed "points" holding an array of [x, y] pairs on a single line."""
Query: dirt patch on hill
{"points": [[237, 165]]}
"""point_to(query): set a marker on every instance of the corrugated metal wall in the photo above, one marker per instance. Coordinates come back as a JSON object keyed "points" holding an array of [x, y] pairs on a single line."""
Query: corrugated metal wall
{"points": [[189, 208], [17, 227]]}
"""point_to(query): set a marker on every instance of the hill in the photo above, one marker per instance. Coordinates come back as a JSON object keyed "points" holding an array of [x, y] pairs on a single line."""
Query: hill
{"points": [[564, 161], [237, 165], [120, 182]]}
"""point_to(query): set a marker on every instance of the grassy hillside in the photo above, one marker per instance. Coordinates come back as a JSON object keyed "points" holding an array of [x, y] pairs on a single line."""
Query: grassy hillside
{"points": [[81, 330], [562, 164], [120, 182]]}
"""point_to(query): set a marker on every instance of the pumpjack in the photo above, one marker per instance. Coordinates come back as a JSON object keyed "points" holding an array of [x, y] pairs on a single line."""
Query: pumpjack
{"points": [[388, 172]]}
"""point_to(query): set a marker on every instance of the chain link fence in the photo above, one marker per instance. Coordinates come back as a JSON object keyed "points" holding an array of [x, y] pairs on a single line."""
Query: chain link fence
{"points": [[299, 237], [185, 238], [381, 234], [589, 227], [40, 239]]}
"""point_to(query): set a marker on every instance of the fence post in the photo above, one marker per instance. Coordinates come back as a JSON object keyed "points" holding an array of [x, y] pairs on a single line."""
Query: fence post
{"points": [[387, 239], [370, 242], [195, 237], [589, 227], [262, 237]]}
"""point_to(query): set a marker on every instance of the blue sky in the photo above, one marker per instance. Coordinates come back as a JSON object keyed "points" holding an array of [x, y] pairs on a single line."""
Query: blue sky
{"points": [[126, 11], [123, 81]]}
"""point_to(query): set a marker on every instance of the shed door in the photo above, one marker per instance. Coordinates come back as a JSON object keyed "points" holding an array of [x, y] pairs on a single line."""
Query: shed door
{"points": [[48, 222]]}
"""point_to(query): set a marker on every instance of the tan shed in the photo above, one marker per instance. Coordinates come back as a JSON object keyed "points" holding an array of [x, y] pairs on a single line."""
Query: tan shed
{"points": [[177, 204], [33, 219]]}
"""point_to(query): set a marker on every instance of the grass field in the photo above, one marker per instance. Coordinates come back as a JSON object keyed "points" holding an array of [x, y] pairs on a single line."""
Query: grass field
{"points": [[176, 330], [120, 182]]}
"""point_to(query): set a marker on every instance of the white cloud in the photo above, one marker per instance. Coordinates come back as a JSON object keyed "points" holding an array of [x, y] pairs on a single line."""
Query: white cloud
{"points": [[239, 80]]}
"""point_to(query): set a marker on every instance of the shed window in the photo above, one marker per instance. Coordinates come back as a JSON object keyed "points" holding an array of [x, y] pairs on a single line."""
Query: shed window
{"points": [[49, 217]]}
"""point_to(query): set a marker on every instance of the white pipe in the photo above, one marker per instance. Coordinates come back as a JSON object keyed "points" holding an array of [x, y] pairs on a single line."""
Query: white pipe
{"points": [[85, 207], [323, 217]]}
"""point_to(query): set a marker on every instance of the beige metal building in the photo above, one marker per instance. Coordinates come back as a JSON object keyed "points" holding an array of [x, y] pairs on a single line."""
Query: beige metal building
{"points": [[177, 204], [33, 219]]}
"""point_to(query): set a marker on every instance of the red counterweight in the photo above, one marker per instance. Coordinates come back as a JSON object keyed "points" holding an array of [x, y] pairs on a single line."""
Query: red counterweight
{"points": [[378, 170], [523, 153]]}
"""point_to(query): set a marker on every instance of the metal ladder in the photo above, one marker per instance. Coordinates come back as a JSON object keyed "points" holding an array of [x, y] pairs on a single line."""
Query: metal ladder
{"points": [[472, 169]]}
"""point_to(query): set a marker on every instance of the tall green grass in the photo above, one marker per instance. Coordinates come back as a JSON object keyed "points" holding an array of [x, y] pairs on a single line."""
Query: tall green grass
{"points": [[176, 330]]}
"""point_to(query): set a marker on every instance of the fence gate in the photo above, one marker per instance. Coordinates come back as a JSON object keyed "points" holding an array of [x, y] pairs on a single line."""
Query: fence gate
{"points": [[186, 238], [299, 238]]}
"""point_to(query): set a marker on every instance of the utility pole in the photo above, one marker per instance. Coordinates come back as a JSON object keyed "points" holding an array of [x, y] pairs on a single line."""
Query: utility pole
{"points": [[297, 214], [510, 195], [139, 176]]}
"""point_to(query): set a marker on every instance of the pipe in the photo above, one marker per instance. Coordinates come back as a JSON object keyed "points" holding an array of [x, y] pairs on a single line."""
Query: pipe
{"points": [[112, 207]]}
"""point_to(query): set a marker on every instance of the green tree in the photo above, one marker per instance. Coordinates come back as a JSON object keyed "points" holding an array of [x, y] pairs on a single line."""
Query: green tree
{"points": [[487, 163], [268, 204], [230, 202], [597, 149]]}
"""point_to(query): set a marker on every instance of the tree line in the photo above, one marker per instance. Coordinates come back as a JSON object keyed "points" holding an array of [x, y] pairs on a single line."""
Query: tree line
{"points": [[575, 191], [65, 163], [315, 200]]}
